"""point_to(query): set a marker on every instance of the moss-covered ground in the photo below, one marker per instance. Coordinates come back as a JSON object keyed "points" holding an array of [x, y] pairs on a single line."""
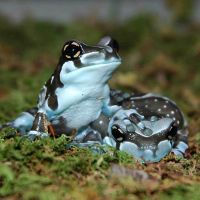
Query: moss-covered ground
{"points": [[158, 57]]}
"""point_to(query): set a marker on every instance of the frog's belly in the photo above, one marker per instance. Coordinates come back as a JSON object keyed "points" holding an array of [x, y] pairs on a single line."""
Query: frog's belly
{"points": [[82, 114]]}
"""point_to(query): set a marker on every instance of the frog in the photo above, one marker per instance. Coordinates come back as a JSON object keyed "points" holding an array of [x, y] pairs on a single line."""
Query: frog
{"points": [[76, 92], [77, 101], [148, 126]]}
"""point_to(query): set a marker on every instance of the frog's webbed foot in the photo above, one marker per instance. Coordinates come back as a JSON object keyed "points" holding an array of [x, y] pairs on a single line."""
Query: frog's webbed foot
{"points": [[125, 119], [122, 122], [23, 122], [40, 127]]}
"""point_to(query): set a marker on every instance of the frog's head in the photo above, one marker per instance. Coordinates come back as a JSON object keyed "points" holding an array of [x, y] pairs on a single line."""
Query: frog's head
{"points": [[78, 58]]}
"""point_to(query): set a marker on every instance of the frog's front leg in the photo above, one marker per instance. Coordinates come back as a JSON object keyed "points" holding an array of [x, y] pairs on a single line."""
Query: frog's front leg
{"points": [[40, 126], [109, 110], [23, 122]]}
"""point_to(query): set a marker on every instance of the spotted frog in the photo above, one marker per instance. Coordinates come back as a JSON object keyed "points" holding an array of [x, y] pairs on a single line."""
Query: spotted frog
{"points": [[76, 100], [76, 93]]}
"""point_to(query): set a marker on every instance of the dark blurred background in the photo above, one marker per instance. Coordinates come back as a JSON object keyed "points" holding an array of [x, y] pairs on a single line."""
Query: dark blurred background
{"points": [[65, 11], [159, 45]]}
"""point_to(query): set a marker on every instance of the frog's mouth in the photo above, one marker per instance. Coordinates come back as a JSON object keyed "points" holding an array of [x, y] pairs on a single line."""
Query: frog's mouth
{"points": [[99, 58], [94, 74]]}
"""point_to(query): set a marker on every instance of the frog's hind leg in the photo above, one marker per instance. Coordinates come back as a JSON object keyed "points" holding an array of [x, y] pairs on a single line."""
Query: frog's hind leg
{"points": [[181, 143], [149, 105], [23, 122], [39, 127]]}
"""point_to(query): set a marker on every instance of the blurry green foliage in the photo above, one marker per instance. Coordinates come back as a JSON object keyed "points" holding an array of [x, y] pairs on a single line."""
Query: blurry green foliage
{"points": [[182, 10]]}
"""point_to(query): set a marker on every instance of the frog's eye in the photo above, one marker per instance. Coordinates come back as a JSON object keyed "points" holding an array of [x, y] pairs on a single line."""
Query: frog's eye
{"points": [[72, 50]]}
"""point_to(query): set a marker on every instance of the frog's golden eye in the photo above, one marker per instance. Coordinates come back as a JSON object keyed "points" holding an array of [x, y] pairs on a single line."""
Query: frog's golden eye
{"points": [[72, 50]]}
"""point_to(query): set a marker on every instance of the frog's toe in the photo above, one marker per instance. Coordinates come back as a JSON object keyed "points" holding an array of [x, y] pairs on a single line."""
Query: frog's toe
{"points": [[32, 135]]}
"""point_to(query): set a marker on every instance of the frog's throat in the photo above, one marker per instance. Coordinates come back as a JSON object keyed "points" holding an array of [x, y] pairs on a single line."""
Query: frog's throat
{"points": [[95, 74]]}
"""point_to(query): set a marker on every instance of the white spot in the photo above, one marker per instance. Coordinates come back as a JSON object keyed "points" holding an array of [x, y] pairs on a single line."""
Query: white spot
{"points": [[146, 106], [165, 106], [166, 101], [155, 100], [114, 127], [174, 118], [120, 131], [178, 122], [52, 79], [167, 115], [101, 122], [172, 112], [159, 110], [120, 138], [137, 108]]}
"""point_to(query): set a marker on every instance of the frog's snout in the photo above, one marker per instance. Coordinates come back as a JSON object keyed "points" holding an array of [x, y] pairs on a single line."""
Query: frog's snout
{"points": [[107, 41]]}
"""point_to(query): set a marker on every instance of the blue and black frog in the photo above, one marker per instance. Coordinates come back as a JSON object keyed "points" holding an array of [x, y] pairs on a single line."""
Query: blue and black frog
{"points": [[76, 100]]}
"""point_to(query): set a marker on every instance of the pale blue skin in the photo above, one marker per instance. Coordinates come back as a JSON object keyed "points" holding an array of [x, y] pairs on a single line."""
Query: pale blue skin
{"points": [[84, 96]]}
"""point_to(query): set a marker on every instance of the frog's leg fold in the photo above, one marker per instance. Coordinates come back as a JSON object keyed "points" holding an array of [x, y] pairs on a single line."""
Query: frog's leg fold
{"points": [[23, 122], [40, 126]]}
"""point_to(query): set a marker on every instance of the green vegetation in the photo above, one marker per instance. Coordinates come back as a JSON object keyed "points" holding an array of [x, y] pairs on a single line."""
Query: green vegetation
{"points": [[156, 57]]}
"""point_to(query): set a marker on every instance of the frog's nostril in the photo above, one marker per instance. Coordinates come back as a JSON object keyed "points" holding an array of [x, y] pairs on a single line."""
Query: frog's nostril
{"points": [[114, 45], [117, 133], [110, 42]]}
